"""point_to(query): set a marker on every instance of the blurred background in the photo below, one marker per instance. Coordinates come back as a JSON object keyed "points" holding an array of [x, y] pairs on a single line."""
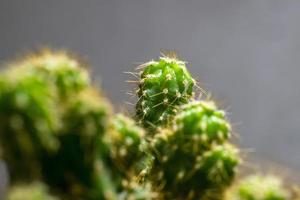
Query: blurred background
{"points": [[246, 53]]}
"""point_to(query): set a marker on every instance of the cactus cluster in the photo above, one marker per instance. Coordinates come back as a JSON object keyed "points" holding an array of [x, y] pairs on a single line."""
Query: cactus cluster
{"points": [[61, 139]]}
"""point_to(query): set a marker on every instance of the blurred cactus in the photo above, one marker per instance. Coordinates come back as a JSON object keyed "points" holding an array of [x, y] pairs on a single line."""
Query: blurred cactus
{"points": [[74, 167], [163, 85], [258, 187], [59, 69], [33, 191], [193, 159], [28, 121], [52, 124], [125, 140], [202, 121]]}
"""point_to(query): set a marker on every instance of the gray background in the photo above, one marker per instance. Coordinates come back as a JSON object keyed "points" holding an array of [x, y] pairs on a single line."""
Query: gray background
{"points": [[247, 53]]}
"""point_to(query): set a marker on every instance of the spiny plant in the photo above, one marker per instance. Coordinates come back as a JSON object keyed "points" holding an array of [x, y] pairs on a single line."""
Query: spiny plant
{"points": [[28, 121], [74, 167], [125, 141], [62, 70], [33, 191], [258, 187], [52, 122], [192, 159], [163, 85], [127, 158]]}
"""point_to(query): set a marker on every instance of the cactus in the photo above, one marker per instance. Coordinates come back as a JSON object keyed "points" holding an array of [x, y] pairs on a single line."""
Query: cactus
{"points": [[56, 128], [125, 140], [126, 158], [59, 69], [30, 91], [52, 124], [33, 191], [193, 158], [28, 121], [201, 120], [163, 85], [258, 187], [74, 167]]}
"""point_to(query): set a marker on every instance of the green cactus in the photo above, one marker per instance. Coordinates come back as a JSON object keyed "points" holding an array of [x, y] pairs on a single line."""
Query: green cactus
{"points": [[33, 191], [125, 140], [73, 168], [201, 120], [163, 85], [52, 124], [193, 158], [258, 187], [56, 128], [59, 69], [28, 121]]}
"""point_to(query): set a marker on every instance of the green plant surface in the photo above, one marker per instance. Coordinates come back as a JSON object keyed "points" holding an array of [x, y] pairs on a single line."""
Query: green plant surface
{"points": [[201, 120], [188, 165], [58, 68], [258, 187], [52, 124], [28, 122], [58, 134], [125, 140], [74, 167]]}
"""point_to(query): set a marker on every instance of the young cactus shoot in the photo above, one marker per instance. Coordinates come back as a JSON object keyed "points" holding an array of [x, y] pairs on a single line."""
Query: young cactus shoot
{"points": [[164, 85]]}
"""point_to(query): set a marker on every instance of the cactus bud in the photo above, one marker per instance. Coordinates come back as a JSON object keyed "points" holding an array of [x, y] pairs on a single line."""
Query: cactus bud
{"points": [[163, 86]]}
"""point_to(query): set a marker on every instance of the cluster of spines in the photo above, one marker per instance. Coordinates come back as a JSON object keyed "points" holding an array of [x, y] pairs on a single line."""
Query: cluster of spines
{"points": [[193, 156], [163, 85]]}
